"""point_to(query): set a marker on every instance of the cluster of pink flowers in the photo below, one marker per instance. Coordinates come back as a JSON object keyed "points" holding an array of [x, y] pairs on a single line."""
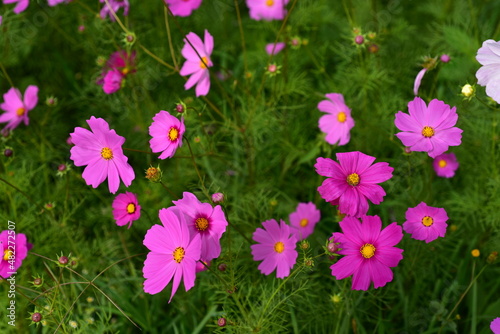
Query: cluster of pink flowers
{"points": [[119, 65]]}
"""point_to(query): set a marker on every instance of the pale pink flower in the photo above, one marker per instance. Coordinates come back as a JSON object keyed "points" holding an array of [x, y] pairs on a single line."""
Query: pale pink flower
{"points": [[16, 109], [489, 74], [304, 219], [418, 80], [337, 123], [182, 7], [197, 54], [445, 165]]}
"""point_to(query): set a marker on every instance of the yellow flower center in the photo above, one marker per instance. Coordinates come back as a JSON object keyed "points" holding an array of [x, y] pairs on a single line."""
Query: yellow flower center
{"points": [[269, 3], [131, 208], [201, 224], [442, 163], [304, 222], [341, 117], [106, 153], [427, 221], [353, 179], [179, 254], [20, 112], [203, 62], [279, 247], [427, 132], [125, 71], [7, 253], [367, 250], [173, 134]]}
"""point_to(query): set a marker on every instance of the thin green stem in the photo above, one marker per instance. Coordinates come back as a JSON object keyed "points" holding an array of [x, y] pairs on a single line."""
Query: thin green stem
{"points": [[203, 188], [141, 151], [158, 59], [169, 191], [6, 75], [116, 17], [165, 11], [242, 35]]}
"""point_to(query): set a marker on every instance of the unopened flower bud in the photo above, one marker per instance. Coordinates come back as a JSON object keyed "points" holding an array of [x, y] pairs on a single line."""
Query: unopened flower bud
{"points": [[37, 282], [304, 244], [332, 247], [8, 152], [180, 107], [445, 58], [218, 198], [63, 260], [468, 91], [222, 267], [359, 39], [373, 48], [154, 174], [51, 101], [221, 322], [475, 253], [36, 317], [492, 257]]}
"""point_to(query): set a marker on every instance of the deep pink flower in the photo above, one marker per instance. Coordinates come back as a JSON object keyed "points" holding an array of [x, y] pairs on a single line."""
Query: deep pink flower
{"points": [[369, 251], [126, 209], [267, 9], [445, 165], [418, 80], [204, 220], [17, 109], [353, 181], [489, 74], [304, 219], [182, 7], [197, 62], [173, 253], [337, 123], [101, 151], [14, 248], [495, 326], [21, 5], [119, 65], [429, 129], [115, 6], [275, 248], [273, 49], [167, 132], [424, 222], [112, 81]]}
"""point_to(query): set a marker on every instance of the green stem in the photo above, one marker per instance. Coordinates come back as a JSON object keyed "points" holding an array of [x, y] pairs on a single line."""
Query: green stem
{"points": [[203, 188], [6, 75], [165, 11]]}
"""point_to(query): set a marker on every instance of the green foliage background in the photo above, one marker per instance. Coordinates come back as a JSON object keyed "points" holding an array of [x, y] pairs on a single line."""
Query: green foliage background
{"points": [[258, 148]]}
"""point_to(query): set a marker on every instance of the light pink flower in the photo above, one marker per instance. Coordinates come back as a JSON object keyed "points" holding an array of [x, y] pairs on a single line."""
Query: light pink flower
{"points": [[495, 326], [273, 49], [424, 222], [167, 132], [17, 109], [369, 251], [418, 80], [445, 165], [353, 181], [115, 6], [14, 248], [275, 248], [173, 254], [304, 219], [21, 5], [101, 151], [204, 220], [429, 129], [182, 7], [489, 74], [267, 9], [337, 123], [197, 62], [126, 209]]}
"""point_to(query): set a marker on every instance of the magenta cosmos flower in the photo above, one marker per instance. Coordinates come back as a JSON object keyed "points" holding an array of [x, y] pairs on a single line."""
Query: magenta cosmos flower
{"points": [[352, 181], [495, 326], [119, 65], [369, 251], [273, 49], [267, 9], [426, 223], [126, 209], [197, 54], [173, 254], [489, 74], [14, 248], [101, 151], [114, 6], [16, 110], [275, 248], [304, 219], [21, 5], [418, 80], [167, 132], [204, 220], [337, 123], [429, 129], [182, 7], [445, 165]]}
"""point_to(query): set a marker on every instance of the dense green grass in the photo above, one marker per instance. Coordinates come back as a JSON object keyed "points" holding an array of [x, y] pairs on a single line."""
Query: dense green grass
{"points": [[255, 138]]}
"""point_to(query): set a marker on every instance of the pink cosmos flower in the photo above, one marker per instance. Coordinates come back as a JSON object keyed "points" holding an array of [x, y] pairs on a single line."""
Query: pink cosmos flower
{"points": [[197, 62], [304, 219], [495, 326], [17, 109], [202, 267], [126, 209], [267, 9], [489, 74], [14, 248], [424, 222], [276, 247], [204, 220], [274, 49], [369, 251], [115, 6], [167, 132], [21, 5], [445, 165], [418, 80], [182, 7], [101, 151], [353, 181], [112, 81], [119, 65], [173, 254], [337, 123], [429, 129]]}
